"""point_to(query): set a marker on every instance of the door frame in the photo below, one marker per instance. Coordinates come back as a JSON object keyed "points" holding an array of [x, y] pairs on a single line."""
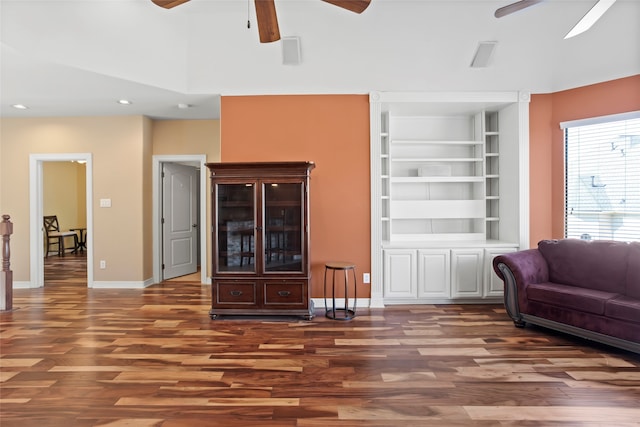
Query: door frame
{"points": [[199, 161], [36, 211]]}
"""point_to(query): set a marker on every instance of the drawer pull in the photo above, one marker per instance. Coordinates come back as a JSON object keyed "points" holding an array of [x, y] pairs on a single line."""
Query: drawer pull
{"points": [[235, 293], [284, 293]]}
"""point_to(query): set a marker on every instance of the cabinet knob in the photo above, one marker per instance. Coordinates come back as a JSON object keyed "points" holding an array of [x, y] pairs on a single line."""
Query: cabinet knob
{"points": [[284, 293], [236, 293]]}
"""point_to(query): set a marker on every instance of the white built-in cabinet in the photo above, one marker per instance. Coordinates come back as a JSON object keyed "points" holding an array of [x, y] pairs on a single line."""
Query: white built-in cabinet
{"points": [[449, 191]]}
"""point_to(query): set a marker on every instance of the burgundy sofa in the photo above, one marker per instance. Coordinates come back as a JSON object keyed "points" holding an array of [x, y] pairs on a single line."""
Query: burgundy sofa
{"points": [[587, 288]]}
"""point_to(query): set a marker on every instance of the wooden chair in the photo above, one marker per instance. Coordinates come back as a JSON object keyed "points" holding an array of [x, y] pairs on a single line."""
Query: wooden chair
{"points": [[54, 237]]}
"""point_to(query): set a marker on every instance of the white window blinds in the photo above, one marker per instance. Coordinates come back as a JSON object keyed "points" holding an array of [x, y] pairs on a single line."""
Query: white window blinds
{"points": [[602, 180]]}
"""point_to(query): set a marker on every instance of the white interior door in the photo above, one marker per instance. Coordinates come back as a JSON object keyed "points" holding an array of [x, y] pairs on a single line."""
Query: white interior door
{"points": [[179, 220]]}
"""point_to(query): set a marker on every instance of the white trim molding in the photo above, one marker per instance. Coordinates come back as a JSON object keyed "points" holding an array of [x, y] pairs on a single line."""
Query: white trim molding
{"points": [[195, 159], [36, 241]]}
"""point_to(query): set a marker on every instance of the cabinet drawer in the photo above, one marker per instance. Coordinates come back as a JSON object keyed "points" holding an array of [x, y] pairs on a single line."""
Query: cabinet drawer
{"points": [[285, 293], [236, 293]]}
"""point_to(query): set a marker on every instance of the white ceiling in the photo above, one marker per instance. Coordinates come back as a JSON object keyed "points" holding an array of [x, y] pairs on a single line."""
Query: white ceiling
{"points": [[78, 57]]}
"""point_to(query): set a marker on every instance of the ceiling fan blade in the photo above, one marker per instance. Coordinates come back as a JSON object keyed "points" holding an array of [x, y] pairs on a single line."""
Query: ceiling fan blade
{"points": [[267, 21], [590, 18], [168, 4], [357, 6], [514, 7]]}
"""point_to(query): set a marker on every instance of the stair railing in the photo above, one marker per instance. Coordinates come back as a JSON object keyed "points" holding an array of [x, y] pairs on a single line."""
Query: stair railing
{"points": [[6, 275]]}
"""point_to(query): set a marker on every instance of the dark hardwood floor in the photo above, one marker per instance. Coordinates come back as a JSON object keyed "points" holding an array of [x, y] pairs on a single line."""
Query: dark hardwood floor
{"points": [[72, 356]]}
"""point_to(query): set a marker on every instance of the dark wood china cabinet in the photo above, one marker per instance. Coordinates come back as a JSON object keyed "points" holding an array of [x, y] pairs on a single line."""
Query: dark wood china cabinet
{"points": [[260, 226]]}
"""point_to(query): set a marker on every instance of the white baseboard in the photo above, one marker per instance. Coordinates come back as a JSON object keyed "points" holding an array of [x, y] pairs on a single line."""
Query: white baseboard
{"points": [[361, 302], [121, 285], [24, 285]]}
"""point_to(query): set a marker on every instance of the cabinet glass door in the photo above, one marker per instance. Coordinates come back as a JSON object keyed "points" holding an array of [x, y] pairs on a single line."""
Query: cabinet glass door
{"points": [[236, 227], [283, 227]]}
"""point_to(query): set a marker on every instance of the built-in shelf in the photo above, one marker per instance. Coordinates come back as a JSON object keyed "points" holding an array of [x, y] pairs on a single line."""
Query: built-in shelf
{"points": [[437, 159], [434, 142], [440, 211], [417, 179]]}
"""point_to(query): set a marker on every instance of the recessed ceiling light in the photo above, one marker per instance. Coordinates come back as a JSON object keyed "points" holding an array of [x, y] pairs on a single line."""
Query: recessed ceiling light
{"points": [[184, 106], [124, 102], [20, 106]]}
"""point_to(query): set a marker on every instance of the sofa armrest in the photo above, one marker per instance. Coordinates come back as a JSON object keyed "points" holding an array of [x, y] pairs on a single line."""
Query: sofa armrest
{"points": [[527, 266], [517, 270]]}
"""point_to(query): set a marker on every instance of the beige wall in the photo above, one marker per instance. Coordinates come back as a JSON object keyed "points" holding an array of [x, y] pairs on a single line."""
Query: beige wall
{"points": [[187, 137], [81, 177], [64, 193], [2, 211], [122, 149]]}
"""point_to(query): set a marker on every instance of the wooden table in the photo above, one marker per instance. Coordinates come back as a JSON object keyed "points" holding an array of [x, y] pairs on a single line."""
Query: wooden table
{"points": [[82, 237]]}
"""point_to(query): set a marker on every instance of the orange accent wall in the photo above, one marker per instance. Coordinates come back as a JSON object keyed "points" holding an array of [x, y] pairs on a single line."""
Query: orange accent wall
{"points": [[546, 140], [333, 132], [540, 169]]}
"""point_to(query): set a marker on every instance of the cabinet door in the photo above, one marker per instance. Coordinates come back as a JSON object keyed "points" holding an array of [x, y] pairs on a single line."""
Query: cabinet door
{"points": [[433, 273], [284, 224], [236, 228], [400, 273], [466, 273], [493, 285]]}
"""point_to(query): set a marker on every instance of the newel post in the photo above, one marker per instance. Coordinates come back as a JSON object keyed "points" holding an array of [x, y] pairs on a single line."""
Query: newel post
{"points": [[6, 275]]}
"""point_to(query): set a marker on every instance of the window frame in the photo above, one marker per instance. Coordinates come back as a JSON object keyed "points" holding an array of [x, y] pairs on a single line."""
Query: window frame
{"points": [[566, 126]]}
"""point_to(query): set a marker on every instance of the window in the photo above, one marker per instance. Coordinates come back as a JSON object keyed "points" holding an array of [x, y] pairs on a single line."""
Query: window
{"points": [[603, 178]]}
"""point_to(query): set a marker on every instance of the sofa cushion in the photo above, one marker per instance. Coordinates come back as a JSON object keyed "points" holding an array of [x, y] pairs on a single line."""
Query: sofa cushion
{"points": [[595, 264], [623, 308], [633, 271], [572, 297]]}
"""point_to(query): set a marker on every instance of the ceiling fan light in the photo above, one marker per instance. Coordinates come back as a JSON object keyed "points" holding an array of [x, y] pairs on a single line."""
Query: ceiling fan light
{"points": [[594, 14], [483, 54]]}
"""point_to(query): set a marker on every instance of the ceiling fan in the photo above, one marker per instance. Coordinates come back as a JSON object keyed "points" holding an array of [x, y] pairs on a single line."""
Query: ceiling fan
{"points": [[266, 14], [583, 25]]}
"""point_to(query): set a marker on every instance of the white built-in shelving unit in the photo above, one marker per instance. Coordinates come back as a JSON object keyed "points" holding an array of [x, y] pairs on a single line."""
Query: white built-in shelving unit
{"points": [[449, 191]]}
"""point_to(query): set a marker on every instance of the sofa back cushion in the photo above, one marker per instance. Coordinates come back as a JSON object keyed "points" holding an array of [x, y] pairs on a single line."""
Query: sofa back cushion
{"points": [[594, 264], [633, 271]]}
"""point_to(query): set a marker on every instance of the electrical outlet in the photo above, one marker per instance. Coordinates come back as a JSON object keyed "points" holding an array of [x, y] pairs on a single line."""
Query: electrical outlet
{"points": [[103, 264], [366, 278]]}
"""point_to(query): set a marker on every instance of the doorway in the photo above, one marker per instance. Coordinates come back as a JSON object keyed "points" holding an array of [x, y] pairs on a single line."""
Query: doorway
{"points": [[36, 212], [179, 220], [197, 221], [64, 203]]}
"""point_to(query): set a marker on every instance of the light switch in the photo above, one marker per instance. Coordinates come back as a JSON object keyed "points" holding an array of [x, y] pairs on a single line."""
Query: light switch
{"points": [[105, 203]]}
